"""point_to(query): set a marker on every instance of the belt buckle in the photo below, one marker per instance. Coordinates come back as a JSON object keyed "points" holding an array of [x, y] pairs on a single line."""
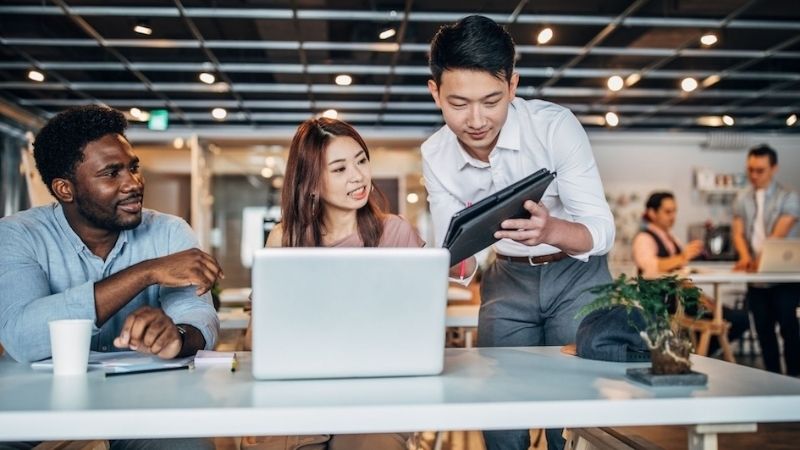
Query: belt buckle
{"points": [[530, 261]]}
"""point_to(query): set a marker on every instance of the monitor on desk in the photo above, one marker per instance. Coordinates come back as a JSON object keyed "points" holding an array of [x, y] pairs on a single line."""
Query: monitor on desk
{"points": [[348, 312], [780, 256]]}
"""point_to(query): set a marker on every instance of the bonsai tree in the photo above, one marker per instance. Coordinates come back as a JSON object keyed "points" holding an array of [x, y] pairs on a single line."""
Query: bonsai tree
{"points": [[655, 300]]}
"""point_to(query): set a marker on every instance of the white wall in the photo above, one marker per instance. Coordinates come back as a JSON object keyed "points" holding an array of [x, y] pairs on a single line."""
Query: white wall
{"points": [[643, 162]]}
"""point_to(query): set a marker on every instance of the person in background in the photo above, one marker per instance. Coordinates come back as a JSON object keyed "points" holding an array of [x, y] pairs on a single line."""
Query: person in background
{"points": [[768, 210], [329, 200], [546, 262], [97, 254], [657, 251]]}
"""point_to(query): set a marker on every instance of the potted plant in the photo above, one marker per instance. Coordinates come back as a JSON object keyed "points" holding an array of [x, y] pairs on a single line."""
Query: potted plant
{"points": [[655, 301]]}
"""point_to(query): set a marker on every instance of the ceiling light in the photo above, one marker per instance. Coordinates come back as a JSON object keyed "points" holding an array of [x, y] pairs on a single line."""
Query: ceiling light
{"points": [[143, 28], [266, 172], [688, 84], [219, 113], [615, 83], [387, 33], [612, 119], [178, 142], [791, 120], [330, 114], [35, 75], [709, 39], [344, 80], [710, 121], [144, 116], [711, 80], [633, 79], [728, 120], [545, 35], [412, 198], [135, 112], [207, 78]]}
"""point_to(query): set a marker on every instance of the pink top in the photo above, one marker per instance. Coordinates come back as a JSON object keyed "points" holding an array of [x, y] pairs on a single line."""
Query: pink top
{"points": [[645, 249], [397, 232]]}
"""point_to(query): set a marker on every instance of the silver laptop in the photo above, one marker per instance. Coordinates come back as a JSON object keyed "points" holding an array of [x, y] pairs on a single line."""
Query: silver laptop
{"points": [[780, 255], [348, 312]]}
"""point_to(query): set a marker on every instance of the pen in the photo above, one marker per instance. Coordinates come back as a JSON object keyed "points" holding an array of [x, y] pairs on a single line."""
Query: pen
{"points": [[132, 372]]}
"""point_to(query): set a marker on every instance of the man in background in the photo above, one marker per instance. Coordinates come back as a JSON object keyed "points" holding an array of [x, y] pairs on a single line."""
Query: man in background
{"points": [[768, 210]]}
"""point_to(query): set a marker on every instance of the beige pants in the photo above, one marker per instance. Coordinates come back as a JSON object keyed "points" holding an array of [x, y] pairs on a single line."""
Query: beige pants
{"points": [[384, 441]]}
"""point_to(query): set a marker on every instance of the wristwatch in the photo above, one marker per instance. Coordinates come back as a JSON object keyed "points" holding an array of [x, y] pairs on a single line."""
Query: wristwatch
{"points": [[182, 333]]}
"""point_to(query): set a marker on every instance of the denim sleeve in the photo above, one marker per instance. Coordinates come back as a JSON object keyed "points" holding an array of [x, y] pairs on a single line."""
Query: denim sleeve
{"points": [[791, 206], [183, 305], [26, 303], [738, 205]]}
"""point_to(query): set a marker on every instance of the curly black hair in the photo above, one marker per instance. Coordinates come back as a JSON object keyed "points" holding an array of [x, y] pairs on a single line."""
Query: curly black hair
{"points": [[58, 148]]}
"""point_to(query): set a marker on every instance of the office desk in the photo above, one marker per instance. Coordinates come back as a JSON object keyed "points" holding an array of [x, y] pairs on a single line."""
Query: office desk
{"points": [[481, 388], [718, 277]]}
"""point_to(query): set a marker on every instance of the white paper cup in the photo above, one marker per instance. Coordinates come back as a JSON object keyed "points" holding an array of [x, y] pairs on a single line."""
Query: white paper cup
{"points": [[69, 342]]}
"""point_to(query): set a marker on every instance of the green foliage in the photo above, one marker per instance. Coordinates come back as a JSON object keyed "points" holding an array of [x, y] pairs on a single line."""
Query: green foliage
{"points": [[652, 298]]}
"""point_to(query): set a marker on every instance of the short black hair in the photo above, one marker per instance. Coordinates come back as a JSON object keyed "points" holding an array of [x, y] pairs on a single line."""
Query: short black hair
{"points": [[472, 43], [58, 148], [656, 199], [764, 150]]}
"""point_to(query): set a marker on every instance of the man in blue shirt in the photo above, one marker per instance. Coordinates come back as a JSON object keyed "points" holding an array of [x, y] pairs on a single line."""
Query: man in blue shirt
{"points": [[97, 254], [768, 210]]}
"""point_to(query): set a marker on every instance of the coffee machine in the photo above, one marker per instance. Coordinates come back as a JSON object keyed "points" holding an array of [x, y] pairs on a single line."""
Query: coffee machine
{"points": [[717, 240]]}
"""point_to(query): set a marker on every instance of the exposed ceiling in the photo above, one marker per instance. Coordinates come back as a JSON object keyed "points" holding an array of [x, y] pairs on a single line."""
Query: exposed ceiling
{"points": [[275, 61]]}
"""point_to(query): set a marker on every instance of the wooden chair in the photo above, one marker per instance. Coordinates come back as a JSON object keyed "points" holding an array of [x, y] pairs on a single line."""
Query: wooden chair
{"points": [[702, 330]]}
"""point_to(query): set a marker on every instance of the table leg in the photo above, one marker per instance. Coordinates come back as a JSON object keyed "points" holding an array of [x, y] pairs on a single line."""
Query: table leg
{"points": [[704, 437]]}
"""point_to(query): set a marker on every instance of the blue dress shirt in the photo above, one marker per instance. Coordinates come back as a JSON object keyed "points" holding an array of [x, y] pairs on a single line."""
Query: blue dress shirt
{"points": [[48, 273]]}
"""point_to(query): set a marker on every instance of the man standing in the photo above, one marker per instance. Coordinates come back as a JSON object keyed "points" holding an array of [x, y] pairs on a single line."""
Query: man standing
{"points": [[545, 263], [768, 210], [96, 254]]}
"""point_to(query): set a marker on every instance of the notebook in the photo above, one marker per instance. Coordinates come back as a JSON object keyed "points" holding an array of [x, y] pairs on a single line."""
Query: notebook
{"points": [[348, 312], [780, 256]]}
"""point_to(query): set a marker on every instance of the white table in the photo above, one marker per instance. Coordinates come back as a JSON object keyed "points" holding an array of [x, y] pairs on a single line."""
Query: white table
{"points": [[501, 388], [716, 277]]}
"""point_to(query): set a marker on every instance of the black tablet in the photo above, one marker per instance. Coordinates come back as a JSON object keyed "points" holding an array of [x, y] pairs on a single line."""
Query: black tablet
{"points": [[472, 229]]}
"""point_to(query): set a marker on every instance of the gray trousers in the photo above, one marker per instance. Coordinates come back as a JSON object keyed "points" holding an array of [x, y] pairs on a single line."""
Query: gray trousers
{"points": [[524, 305]]}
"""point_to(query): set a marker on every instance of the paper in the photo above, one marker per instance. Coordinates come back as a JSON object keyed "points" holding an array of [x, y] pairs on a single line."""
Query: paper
{"points": [[123, 361], [211, 358]]}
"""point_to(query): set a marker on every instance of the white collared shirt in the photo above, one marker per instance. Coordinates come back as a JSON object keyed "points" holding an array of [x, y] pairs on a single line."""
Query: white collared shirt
{"points": [[536, 135]]}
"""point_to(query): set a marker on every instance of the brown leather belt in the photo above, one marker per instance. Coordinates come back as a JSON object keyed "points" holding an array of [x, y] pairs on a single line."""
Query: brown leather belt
{"points": [[534, 260]]}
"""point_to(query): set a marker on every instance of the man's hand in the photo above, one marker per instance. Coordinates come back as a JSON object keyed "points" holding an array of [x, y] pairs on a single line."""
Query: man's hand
{"points": [[693, 249], [746, 263], [189, 267], [150, 330], [533, 231]]}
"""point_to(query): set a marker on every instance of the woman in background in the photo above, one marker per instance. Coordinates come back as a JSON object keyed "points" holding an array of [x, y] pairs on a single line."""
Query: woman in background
{"points": [[328, 200]]}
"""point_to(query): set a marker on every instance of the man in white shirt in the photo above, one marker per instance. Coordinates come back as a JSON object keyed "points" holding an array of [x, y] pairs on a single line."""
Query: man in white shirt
{"points": [[545, 263], [768, 210]]}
